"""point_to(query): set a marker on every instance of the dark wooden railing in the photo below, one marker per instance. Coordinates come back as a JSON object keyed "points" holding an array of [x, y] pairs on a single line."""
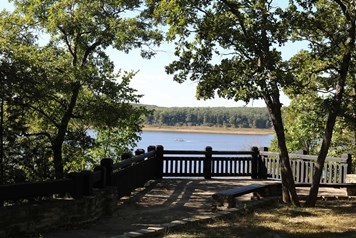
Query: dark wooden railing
{"points": [[25, 190], [157, 163], [76, 184], [135, 172], [210, 163]]}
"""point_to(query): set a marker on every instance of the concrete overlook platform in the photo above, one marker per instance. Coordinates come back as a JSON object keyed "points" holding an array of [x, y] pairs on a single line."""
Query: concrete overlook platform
{"points": [[165, 203]]}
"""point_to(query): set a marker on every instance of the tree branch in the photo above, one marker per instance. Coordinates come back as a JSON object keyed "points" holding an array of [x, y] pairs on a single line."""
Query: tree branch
{"points": [[39, 134], [67, 41], [89, 50], [234, 9], [42, 113]]}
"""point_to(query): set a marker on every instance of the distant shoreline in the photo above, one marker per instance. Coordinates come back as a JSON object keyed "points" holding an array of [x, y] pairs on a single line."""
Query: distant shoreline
{"points": [[213, 130]]}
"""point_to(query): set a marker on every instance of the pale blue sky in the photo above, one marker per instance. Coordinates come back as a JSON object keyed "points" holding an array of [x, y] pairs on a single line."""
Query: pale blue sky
{"points": [[159, 88]]}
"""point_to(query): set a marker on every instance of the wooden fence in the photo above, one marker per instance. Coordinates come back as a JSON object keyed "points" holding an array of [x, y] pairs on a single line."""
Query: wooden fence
{"points": [[303, 166], [209, 163], [157, 163]]}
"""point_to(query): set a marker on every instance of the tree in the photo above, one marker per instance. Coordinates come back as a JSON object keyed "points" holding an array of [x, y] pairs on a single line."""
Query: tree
{"points": [[75, 84], [17, 83], [303, 122], [331, 31], [230, 48], [236, 117]]}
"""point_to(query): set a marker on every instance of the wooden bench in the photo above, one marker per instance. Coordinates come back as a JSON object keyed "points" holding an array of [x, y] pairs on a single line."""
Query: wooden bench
{"points": [[259, 190]]}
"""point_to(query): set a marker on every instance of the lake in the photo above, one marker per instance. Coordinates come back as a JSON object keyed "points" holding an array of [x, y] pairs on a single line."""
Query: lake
{"points": [[198, 141]]}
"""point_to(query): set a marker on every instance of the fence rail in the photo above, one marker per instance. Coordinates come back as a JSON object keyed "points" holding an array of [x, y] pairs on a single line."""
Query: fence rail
{"points": [[157, 163], [303, 166], [210, 163], [27, 190]]}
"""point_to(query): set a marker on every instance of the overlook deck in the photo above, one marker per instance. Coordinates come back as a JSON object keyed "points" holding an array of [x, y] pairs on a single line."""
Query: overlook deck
{"points": [[165, 202]]}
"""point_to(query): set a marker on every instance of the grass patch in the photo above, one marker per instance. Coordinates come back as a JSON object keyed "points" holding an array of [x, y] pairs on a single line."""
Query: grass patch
{"points": [[328, 219]]}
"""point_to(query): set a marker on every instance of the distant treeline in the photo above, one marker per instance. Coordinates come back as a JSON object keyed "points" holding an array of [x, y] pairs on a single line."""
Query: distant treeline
{"points": [[237, 117]]}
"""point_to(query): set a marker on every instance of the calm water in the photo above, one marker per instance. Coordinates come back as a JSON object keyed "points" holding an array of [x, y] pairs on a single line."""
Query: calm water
{"points": [[198, 141]]}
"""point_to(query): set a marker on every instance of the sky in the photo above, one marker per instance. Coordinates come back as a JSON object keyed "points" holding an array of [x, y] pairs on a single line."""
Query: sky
{"points": [[159, 89]]}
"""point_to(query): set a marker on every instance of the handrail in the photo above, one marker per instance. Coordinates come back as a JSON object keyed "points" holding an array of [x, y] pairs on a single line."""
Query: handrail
{"points": [[184, 152], [203, 152], [306, 157], [36, 189], [217, 152], [133, 160]]}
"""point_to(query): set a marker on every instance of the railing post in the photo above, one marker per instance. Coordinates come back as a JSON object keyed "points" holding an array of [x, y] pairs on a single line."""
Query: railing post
{"points": [[300, 174], [262, 169], [102, 182], [349, 162], [151, 148], [78, 180], [88, 182], [125, 156], [107, 163], [263, 149], [207, 162], [254, 163], [159, 157], [139, 152], [301, 152]]}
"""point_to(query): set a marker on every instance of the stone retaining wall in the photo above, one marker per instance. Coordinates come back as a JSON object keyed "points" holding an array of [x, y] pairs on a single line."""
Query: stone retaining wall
{"points": [[21, 220]]}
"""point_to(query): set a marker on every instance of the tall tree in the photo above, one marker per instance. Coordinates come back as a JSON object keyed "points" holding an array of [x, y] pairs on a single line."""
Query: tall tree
{"points": [[75, 84], [230, 48], [304, 120], [330, 27]]}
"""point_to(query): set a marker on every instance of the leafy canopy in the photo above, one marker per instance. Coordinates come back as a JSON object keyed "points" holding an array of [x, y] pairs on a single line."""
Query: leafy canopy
{"points": [[65, 82], [228, 47]]}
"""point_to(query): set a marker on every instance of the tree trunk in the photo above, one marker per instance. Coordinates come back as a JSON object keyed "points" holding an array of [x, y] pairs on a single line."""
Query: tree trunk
{"points": [[58, 141], [2, 153], [58, 160], [319, 165], [336, 105], [289, 194]]}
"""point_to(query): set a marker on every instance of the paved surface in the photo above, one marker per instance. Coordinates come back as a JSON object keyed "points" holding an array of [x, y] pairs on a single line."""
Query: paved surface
{"points": [[162, 204]]}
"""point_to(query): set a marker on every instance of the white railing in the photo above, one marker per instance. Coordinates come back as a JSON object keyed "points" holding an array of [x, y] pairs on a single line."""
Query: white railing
{"points": [[335, 169]]}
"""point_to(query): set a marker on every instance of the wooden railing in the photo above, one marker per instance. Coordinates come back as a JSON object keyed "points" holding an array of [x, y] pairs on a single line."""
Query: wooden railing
{"points": [[210, 163], [133, 173], [303, 166], [157, 163]]}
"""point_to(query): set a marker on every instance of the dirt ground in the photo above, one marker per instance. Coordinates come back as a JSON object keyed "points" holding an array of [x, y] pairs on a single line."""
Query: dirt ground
{"points": [[162, 202]]}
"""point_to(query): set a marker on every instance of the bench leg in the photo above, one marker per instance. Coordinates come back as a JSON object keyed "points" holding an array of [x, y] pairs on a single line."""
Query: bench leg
{"points": [[351, 191], [231, 202], [217, 202], [267, 192], [256, 196]]}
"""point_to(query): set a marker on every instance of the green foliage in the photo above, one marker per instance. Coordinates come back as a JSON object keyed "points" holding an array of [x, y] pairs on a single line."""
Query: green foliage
{"points": [[113, 142], [324, 78], [59, 81], [231, 49], [240, 117], [304, 121], [228, 47]]}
